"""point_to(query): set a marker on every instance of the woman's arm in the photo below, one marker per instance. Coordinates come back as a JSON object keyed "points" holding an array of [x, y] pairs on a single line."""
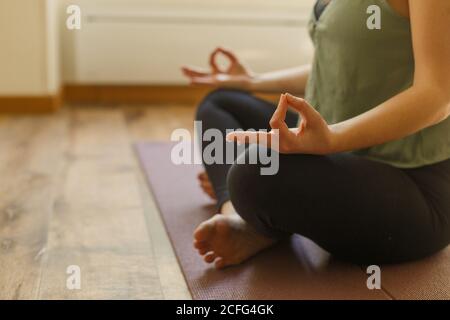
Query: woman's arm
{"points": [[291, 80], [238, 76], [426, 103], [405, 114]]}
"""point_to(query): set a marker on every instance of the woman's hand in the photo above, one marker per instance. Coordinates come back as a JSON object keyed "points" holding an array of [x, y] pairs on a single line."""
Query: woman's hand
{"points": [[313, 136], [235, 76]]}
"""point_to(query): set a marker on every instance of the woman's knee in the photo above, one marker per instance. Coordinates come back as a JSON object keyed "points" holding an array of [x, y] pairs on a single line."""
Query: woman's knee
{"points": [[249, 189], [243, 187], [243, 179], [257, 199], [214, 99], [253, 192]]}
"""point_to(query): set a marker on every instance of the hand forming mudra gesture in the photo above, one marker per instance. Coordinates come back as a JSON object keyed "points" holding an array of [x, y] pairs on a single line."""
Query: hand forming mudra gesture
{"points": [[313, 136], [235, 76]]}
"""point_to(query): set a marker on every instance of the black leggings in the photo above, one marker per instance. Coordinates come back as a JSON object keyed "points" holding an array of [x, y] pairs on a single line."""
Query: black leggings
{"points": [[357, 209]]}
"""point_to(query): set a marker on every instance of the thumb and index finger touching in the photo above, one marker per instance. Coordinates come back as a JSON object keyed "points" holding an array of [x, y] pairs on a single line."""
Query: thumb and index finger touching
{"points": [[213, 58]]}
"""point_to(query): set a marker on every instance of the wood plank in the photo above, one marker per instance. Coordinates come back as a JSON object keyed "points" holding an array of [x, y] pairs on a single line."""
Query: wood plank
{"points": [[157, 123], [99, 223], [132, 94], [31, 158]]}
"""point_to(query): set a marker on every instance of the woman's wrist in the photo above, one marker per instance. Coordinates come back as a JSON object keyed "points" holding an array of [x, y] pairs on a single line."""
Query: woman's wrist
{"points": [[336, 139], [254, 82]]}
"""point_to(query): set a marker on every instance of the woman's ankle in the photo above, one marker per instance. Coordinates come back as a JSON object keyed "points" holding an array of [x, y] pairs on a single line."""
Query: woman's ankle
{"points": [[227, 208]]}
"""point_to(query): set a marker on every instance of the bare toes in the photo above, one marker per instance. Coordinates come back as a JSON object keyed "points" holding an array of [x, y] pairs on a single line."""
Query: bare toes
{"points": [[210, 257], [202, 248], [212, 195], [203, 232], [206, 185], [220, 263], [200, 244], [204, 251], [203, 176], [207, 188]]}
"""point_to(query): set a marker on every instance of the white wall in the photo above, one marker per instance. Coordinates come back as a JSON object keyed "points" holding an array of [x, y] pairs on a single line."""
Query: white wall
{"points": [[29, 47], [120, 42], [54, 78]]}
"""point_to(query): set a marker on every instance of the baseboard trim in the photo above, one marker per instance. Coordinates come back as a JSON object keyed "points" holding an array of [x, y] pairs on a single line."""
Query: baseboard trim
{"points": [[144, 94], [108, 95], [30, 104], [125, 94]]}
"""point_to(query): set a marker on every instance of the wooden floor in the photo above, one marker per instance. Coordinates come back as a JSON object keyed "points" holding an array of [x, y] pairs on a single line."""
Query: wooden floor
{"points": [[72, 193]]}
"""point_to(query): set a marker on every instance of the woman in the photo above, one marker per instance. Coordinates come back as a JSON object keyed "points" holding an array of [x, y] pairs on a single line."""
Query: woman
{"points": [[366, 171]]}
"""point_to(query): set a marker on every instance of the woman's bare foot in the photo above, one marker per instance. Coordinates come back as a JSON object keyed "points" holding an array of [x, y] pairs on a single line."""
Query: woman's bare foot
{"points": [[206, 185], [226, 239]]}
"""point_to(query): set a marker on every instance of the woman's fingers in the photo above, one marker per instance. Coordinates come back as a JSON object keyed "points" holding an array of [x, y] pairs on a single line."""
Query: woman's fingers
{"points": [[194, 72], [307, 112], [227, 53], [280, 130], [198, 76], [213, 62], [203, 81], [252, 137], [281, 138], [279, 116]]}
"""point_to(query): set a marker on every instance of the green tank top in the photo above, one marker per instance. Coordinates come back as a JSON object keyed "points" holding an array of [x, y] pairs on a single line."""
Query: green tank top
{"points": [[356, 69]]}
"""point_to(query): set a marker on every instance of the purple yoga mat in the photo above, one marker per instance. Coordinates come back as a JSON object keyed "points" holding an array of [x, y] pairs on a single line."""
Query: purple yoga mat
{"points": [[295, 269]]}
